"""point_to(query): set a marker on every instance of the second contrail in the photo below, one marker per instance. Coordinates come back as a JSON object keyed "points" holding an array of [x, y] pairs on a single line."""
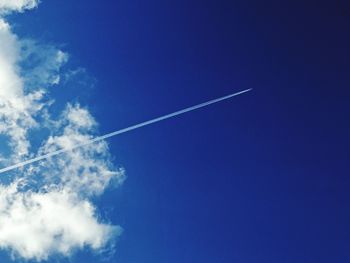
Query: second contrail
{"points": [[115, 133]]}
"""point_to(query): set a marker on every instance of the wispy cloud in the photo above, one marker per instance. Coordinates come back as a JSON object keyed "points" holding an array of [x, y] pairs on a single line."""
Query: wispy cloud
{"points": [[46, 208]]}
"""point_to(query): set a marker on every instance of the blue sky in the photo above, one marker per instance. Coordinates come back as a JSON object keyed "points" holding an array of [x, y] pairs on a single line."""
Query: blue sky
{"points": [[261, 178]]}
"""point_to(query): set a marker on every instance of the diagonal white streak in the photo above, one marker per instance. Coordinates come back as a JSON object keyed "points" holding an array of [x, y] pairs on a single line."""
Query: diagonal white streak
{"points": [[108, 135]]}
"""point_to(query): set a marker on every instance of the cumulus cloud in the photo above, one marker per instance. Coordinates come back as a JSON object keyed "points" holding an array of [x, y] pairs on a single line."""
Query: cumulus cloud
{"points": [[36, 225], [7, 6], [17, 108], [86, 170], [46, 209]]}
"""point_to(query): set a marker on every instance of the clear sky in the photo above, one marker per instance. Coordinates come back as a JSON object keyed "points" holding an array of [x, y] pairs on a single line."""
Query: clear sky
{"points": [[261, 178]]}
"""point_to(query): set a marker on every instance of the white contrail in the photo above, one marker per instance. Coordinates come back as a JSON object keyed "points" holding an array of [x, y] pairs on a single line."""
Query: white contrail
{"points": [[108, 135]]}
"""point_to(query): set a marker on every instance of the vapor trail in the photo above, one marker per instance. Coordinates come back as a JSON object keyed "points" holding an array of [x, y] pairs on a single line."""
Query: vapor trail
{"points": [[108, 135]]}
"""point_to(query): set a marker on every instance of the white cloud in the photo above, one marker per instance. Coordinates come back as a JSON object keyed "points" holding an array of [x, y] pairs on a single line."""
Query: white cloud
{"points": [[7, 6], [37, 225], [17, 109], [41, 64], [86, 170], [46, 209]]}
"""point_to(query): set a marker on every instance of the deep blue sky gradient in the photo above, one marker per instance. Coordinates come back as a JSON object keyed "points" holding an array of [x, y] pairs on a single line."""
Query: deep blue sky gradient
{"points": [[261, 178]]}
